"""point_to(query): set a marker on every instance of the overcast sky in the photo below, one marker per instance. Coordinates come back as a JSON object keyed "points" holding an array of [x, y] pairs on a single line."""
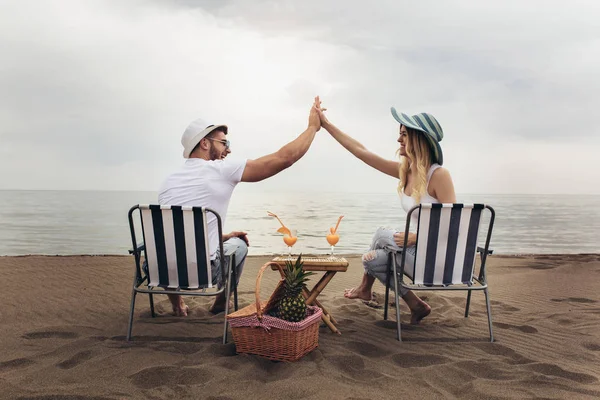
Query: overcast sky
{"points": [[96, 94]]}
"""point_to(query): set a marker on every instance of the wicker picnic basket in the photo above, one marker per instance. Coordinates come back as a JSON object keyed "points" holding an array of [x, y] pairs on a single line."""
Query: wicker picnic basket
{"points": [[256, 332]]}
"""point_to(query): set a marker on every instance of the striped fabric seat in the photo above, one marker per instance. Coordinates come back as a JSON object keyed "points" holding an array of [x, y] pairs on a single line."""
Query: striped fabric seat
{"points": [[446, 243], [445, 254], [177, 250], [174, 258]]}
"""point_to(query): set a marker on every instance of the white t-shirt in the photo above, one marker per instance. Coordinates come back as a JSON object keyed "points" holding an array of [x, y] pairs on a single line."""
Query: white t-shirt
{"points": [[201, 183]]}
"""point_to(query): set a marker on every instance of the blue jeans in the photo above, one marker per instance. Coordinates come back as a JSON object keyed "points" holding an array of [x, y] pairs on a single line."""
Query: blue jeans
{"points": [[241, 252], [376, 259]]}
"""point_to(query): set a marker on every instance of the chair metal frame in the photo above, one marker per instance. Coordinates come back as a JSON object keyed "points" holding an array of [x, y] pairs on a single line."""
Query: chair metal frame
{"points": [[481, 279], [141, 275]]}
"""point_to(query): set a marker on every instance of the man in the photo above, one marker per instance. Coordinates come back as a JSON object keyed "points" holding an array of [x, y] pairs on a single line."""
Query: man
{"points": [[207, 179]]}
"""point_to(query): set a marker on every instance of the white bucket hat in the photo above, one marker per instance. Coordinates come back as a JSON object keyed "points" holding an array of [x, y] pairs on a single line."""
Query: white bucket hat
{"points": [[195, 132]]}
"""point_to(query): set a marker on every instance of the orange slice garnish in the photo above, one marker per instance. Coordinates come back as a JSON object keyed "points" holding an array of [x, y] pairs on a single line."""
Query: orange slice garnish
{"points": [[284, 229]]}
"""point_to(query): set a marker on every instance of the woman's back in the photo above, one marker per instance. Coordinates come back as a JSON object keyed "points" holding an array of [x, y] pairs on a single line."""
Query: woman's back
{"points": [[409, 202]]}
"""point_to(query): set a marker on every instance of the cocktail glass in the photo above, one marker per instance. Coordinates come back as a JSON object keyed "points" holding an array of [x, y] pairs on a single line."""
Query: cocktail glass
{"points": [[332, 239], [290, 240]]}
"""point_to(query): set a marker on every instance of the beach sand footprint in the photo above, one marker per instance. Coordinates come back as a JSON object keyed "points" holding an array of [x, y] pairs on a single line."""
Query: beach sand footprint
{"points": [[496, 349], [522, 328], [503, 306], [387, 324], [366, 349], [182, 348], [391, 324], [15, 363], [353, 367], [77, 359], [592, 346], [489, 370], [555, 370], [410, 360], [50, 334], [581, 300], [153, 377]]}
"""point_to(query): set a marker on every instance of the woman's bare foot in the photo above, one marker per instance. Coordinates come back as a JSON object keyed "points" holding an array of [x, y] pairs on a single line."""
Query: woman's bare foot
{"points": [[358, 293], [419, 312]]}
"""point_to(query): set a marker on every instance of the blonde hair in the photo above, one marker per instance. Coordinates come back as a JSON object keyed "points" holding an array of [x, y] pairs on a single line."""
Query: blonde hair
{"points": [[419, 157]]}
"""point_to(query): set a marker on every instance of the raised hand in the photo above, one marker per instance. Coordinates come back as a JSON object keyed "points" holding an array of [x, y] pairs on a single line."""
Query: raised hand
{"points": [[321, 111], [313, 118]]}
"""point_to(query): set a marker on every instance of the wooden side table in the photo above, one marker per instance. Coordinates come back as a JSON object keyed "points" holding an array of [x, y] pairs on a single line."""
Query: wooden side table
{"points": [[329, 265]]}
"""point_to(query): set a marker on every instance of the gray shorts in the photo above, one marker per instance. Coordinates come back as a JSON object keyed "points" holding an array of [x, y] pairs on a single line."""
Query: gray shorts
{"points": [[241, 251]]}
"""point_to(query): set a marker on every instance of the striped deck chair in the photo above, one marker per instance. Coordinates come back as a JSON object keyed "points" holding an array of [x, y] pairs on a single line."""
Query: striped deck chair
{"points": [[177, 256], [445, 255]]}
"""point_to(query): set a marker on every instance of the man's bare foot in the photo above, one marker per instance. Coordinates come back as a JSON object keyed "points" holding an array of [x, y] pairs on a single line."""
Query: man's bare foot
{"points": [[181, 310], [357, 293], [419, 313], [219, 307]]}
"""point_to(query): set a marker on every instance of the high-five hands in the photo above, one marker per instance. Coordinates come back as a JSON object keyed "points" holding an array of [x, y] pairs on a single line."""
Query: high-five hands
{"points": [[321, 111], [313, 118]]}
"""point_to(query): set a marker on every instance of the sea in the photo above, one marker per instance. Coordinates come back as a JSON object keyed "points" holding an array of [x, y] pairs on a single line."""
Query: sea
{"points": [[95, 222]]}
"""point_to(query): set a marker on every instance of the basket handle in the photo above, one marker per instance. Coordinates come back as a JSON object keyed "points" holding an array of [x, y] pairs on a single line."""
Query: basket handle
{"points": [[259, 311]]}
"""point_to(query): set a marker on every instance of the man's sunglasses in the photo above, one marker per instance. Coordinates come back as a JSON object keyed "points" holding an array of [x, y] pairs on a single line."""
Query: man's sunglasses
{"points": [[223, 142]]}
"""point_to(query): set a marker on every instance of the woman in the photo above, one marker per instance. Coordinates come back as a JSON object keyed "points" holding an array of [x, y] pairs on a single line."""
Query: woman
{"points": [[422, 180]]}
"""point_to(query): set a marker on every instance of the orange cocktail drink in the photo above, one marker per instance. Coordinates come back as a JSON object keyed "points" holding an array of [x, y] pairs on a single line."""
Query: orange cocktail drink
{"points": [[289, 236], [333, 237], [290, 240]]}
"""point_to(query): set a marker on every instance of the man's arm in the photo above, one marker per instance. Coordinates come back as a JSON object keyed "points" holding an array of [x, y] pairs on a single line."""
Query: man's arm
{"points": [[269, 165], [240, 234]]}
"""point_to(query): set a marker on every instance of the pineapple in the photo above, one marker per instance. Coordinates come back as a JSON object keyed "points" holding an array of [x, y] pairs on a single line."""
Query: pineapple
{"points": [[292, 306]]}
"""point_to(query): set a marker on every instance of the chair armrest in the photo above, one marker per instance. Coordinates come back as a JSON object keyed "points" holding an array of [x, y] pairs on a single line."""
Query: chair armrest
{"points": [[481, 250], [140, 247]]}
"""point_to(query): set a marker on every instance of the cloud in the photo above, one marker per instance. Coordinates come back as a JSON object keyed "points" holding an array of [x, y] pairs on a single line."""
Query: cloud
{"points": [[96, 94]]}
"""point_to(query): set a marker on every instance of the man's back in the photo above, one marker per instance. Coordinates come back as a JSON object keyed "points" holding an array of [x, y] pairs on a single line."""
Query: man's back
{"points": [[202, 183]]}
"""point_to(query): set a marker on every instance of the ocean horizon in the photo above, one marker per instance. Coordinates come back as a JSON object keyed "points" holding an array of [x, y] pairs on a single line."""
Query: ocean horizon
{"points": [[95, 222]]}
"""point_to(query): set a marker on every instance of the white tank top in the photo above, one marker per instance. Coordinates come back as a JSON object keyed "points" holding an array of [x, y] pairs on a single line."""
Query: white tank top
{"points": [[409, 202]]}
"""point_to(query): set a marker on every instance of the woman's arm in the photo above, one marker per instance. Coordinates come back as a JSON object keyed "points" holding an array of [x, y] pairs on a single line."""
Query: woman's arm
{"points": [[388, 167]]}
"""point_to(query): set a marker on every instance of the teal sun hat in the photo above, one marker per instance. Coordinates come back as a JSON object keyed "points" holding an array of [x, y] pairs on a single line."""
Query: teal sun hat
{"points": [[429, 126]]}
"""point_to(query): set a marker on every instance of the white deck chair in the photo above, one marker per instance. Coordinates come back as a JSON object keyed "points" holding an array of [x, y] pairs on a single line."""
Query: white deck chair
{"points": [[445, 253], [177, 256]]}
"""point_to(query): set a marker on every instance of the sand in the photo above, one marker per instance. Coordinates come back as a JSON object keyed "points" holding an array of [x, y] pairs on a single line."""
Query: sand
{"points": [[63, 323]]}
